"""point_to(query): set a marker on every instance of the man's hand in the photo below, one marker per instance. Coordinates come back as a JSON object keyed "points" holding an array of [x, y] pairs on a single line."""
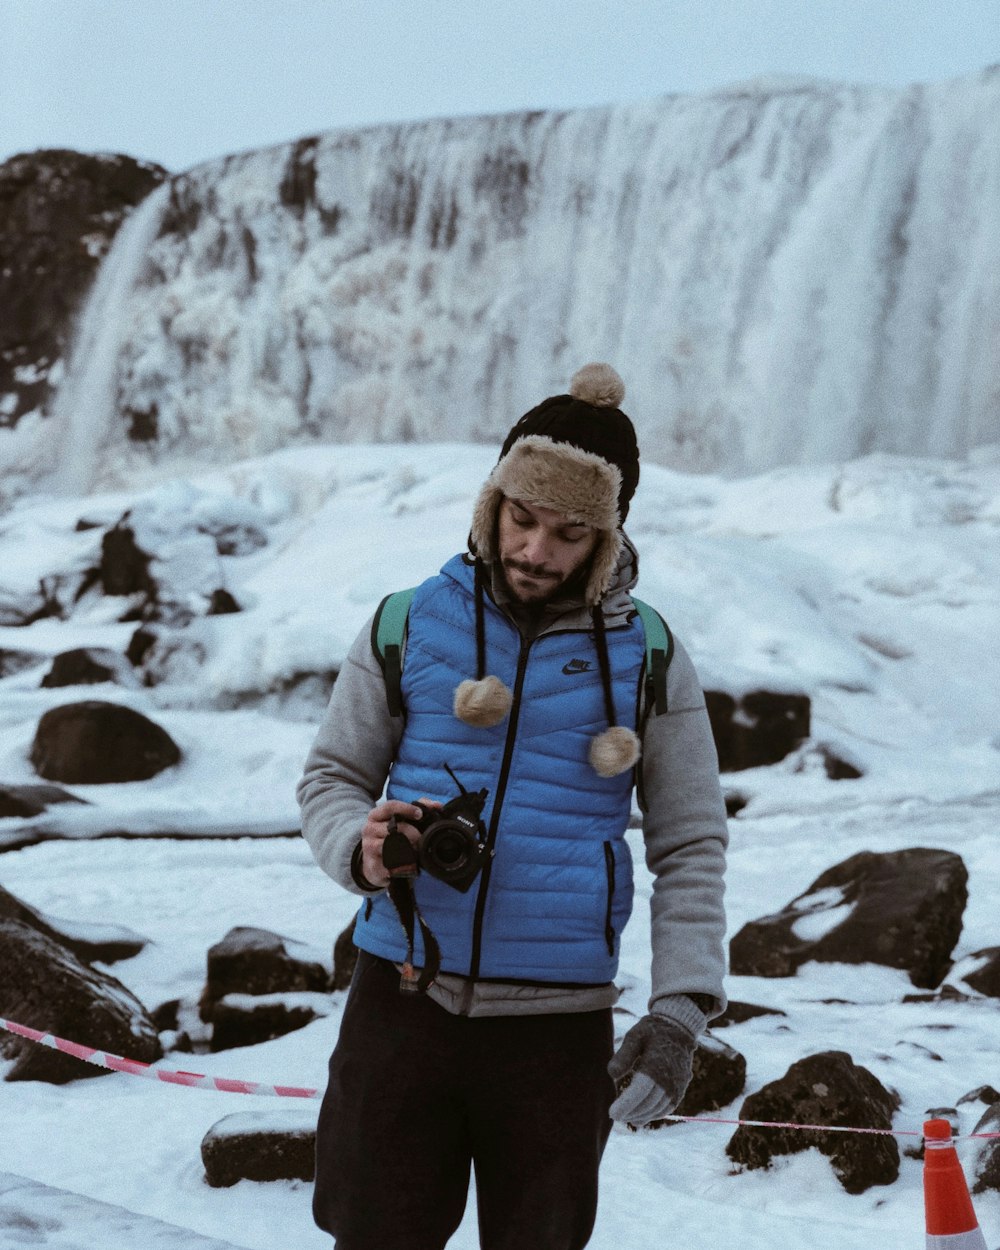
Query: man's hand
{"points": [[651, 1070], [376, 828]]}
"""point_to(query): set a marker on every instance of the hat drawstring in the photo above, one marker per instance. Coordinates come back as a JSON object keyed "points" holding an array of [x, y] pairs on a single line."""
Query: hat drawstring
{"points": [[486, 701], [617, 749], [480, 621]]}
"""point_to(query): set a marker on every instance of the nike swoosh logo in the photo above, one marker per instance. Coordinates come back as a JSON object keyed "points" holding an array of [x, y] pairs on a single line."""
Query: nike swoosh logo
{"points": [[576, 666]]}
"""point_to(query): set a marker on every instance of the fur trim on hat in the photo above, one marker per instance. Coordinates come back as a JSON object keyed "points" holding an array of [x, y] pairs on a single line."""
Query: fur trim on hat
{"points": [[579, 485], [614, 751], [482, 704], [598, 384]]}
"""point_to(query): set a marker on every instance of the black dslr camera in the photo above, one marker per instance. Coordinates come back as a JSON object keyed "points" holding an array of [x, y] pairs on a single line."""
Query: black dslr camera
{"points": [[452, 844]]}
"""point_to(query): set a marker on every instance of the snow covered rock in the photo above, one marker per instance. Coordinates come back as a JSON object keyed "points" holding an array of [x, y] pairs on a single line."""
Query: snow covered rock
{"points": [[737, 1013], [94, 742], [758, 728], [261, 1146], [902, 909], [986, 1166], [107, 943], [45, 986], [827, 1088], [979, 972], [32, 800], [247, 1019], [90, 666], [261, 985], [718, 1077]]}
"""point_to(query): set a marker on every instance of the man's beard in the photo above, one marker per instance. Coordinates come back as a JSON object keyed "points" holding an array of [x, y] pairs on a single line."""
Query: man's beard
{"points": [[549, 585]]}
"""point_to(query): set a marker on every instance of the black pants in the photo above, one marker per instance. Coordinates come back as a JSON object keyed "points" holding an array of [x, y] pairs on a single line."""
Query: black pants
{"points": [[417, 1095]]}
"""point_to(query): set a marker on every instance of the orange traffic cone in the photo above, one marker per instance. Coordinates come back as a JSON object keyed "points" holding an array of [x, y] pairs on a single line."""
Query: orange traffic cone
{"points": [[951, 1221]]}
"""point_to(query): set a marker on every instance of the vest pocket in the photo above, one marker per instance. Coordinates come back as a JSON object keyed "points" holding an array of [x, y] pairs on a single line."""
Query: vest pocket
{"points": [[609, 864]]}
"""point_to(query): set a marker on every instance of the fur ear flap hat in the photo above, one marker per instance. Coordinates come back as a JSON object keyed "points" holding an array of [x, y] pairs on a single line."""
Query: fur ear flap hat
{"points": [[576, 454]]}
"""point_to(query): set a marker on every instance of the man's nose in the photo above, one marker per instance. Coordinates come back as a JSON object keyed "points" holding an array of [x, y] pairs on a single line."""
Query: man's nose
{"points": [[536, 548]]}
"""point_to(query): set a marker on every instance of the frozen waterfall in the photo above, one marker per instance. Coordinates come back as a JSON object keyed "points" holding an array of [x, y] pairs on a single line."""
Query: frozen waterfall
{"points": [[784, 272]]}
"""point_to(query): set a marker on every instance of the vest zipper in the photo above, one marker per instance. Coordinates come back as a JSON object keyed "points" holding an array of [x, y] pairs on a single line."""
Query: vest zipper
{"points": [[491, 836], [609, 864]]}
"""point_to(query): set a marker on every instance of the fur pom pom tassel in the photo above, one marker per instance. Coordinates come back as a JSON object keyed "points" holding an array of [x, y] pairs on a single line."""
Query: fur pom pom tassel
{"points": [[614, 751], [482, 703]]}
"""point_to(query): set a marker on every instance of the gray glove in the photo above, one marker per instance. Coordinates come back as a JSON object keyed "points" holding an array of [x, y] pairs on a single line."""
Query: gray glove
{"points": [[651, 1070]]}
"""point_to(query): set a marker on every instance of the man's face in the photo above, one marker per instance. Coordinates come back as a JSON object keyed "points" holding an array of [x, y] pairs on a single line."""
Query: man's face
{"points": [[540, 550]]}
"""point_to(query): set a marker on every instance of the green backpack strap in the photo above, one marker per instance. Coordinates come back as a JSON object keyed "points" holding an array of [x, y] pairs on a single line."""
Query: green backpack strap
{"points": [[659, 653], [388, 633]]}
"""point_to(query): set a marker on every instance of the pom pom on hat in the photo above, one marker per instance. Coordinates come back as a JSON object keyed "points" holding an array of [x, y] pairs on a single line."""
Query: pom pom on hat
{"points": [[614, 751], [599, 385], [483, 703]]}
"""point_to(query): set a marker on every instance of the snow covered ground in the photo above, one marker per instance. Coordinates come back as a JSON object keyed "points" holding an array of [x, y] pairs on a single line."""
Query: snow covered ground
{"points": [[872, 586]]}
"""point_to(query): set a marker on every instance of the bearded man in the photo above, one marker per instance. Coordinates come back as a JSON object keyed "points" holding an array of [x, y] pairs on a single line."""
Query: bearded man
{"points": [[477, 1033]]}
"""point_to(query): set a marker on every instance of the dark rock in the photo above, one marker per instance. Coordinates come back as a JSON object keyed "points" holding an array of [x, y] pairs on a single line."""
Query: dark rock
{"points": [[838, 769], [902, 909], [85, 666], [986, 1165], [260, 1146], [59, 212], [980, 971], [245, 1020], [760, 728], [829, 1089], [107, 943], [982, 1093], [222, 603], [45, 987], [124, 566], [345, 958], [32, 800], [139, 645], [93, 743], [738, 1013], [255, 961]]}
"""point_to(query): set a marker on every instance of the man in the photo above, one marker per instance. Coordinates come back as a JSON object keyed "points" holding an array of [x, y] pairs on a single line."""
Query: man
{"points": [[522, 674]]}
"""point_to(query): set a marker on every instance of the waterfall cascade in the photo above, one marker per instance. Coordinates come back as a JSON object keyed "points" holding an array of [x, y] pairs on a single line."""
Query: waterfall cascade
{"points": [[784, 272]]}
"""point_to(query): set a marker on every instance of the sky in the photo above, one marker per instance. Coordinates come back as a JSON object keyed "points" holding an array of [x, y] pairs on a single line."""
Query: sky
{"points": [[182, 81]]}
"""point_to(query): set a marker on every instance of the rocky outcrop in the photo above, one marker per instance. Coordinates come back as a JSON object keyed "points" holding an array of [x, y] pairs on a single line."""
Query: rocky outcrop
{"points": [[261, 1146], [94, 743], [32, 800], [45, 987], [902, 909], [259, 986], [719, 1074], [107, 943], [986, 1166], [829, 1089], [758, 728], [90, 666], [59, 212]]}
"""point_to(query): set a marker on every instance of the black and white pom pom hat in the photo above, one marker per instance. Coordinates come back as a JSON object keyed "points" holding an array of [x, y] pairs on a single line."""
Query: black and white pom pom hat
{"points": [[577, 455]]}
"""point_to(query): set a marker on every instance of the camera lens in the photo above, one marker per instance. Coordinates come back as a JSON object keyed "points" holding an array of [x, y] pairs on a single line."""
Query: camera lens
{"points": [[449, 849]]}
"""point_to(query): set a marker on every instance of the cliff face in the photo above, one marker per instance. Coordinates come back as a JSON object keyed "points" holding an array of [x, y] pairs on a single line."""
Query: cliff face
{"points": [[784, 272], [59, 212]]}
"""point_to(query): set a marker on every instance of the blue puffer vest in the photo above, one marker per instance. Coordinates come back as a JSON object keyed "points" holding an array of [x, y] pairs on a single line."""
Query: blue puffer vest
{"points": [[551, 903]]}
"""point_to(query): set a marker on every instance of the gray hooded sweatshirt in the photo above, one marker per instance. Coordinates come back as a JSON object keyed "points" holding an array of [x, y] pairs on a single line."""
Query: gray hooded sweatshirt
{"points": [[683, 825]]}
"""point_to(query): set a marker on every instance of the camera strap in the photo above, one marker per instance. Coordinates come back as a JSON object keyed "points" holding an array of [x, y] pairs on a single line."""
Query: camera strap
{"points": [[404, 899], [400, 859]]}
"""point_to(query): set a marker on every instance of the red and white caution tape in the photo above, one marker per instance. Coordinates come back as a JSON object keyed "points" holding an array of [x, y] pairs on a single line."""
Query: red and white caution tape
{"points": [[227, 1085], [172, 1076]]}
